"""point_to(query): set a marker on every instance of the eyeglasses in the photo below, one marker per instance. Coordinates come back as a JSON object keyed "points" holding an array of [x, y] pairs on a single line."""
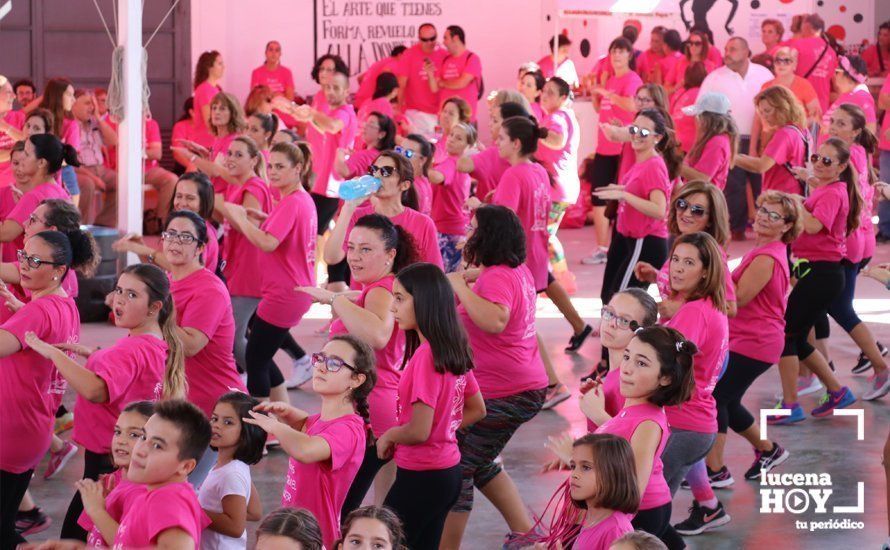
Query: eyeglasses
{"points": [[430, 39], [33, 218], [181, 238], [783, 61], [407, 153], [33, 261], [385, 171], [331, 364], [608, 315], [696, 210], [826, 161], [773, 216], [634, 130]]}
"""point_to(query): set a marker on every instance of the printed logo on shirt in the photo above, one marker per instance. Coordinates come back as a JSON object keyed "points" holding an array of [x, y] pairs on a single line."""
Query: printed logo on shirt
{"points": [[460, 385]]}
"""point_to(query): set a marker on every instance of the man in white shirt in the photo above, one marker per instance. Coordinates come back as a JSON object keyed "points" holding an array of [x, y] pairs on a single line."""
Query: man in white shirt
{"points": [[740, 80]]}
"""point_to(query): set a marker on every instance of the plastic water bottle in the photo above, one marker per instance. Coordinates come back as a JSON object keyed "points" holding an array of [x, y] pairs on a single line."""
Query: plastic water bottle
{"points": [[359, 187]]}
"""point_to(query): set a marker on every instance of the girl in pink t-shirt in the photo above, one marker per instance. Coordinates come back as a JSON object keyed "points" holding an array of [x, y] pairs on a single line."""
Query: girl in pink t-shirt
{"points": [[29, 383], [713, 151], [286, 241], [437, 395], [145, 365], [488, 166], [209, 72], [106, 499], [325, 449], [451, 189], [850, 84]]}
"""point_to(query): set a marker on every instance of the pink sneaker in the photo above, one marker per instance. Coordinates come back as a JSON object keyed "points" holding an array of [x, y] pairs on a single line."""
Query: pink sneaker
{"points": [[58, 460]]}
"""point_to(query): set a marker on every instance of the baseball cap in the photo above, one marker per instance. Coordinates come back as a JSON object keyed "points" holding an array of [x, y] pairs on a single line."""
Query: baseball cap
{"points": [[709, 102]]}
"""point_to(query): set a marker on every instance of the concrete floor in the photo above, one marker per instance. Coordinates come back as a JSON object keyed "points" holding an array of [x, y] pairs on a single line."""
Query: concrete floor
{"points": [[817, 446]]}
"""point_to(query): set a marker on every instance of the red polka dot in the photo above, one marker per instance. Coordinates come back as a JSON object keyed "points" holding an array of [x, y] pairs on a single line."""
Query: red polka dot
{"points": [[843, 9], [837, 31], [786, 1], [565, 32], [584, 23]]}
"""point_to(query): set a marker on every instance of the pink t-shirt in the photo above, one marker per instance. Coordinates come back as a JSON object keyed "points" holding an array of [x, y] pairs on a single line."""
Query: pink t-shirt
{"points": [[242, 258], [449, 213], [321, 487], [20, 211], [663, 280], [445, 393], [278, 79], [117, 502], [603, 534], [714, 160], [758, 329], [821, 69], [184, 129], [684, 125], [786, 145], [369, 80], [293, 222], [417, 94], [647, 63], [677, 76], [667, 66], [562, 164], [152, 136], [203, 95], [313, 136], [327, 181], [700, 322], [383, 399], [624, 424], [829, 204], [420, 227], [625, 86], [525, 189], [642, 179], [219, 150], [29, 384], [488, 168], [173, 506], [359, 161], [380, 105], [202, 303], [211, 249], [507, 363], [859, 96], [883, 139], [861, 243], [16, 119], [424, 194], [133, 370], [454, 67]]}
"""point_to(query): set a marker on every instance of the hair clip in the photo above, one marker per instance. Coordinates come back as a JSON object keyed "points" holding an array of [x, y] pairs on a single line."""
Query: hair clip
{"points": [[680, 345], [635, 327], [407, 153]]}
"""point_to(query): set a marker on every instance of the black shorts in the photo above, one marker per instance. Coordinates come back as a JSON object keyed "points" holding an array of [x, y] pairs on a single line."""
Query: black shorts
{"points": [[325, 209], [601, 171]]}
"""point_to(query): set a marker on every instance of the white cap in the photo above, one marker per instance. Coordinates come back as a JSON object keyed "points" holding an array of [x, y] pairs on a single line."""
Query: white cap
{"points": [[709, 102]]}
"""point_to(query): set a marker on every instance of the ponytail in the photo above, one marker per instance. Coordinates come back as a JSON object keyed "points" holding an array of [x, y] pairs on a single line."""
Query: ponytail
{"points": [[851, 179], [394, 237], [297, 153], [668, 146], [365, 363], [51, 149], [308, 176], [259, 167], [526, 131]]}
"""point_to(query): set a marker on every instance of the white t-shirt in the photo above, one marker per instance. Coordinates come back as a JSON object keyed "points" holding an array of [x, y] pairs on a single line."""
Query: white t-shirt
{"points": [[231, 479], [740, 91]]}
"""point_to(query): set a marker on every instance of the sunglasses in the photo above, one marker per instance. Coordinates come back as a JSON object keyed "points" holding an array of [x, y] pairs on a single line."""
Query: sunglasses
{"points": [[430, 39], [773, 216], [181, 238], [331, 364], [695, 210], [826, 161], [33, 261], [634, 130], [695, 42], [783, 61], [385, 171], [407, 153]]}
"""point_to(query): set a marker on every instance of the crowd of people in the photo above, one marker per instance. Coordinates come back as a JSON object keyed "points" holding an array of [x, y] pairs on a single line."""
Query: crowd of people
{"points": [[433, 359]]}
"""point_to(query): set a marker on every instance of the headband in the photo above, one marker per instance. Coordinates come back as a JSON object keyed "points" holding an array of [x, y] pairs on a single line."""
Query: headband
{"points": [[851, 72]]}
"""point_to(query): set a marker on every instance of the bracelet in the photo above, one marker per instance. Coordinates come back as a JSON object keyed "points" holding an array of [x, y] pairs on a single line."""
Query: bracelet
{"points": [[333, 297], [193, 158]]}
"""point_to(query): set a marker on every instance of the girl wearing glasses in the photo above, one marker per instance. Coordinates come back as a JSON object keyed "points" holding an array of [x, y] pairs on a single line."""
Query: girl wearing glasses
{"points": [[146, 365], [397, 200], [325, 449], [378, 134], [28, 381], [286, 244], [829, 215], [438, 394], [697, 49], [451, 189]]}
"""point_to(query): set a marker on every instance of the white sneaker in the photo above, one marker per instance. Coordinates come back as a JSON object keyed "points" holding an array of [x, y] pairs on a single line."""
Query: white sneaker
{"points": [[880, 387], [302, 372], [805, 386], [598, 257]]}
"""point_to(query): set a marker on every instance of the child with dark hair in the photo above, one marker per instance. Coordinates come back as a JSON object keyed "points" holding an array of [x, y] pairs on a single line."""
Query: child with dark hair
{"points": [[372, 527], [289, 528]]}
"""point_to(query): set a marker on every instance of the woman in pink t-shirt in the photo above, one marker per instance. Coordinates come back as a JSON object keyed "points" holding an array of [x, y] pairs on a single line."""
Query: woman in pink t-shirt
{"points": [[420, 152], [451, 188], [850, 84], [11, 124], [29, 383], [755, 333], [385, 92], [787, 146], [286, 241], [487, 166], [438, 395], [716, 142], [58, 99], [830, 213], [147, 364], [325, 450], [698, 282], [697, 49], [261, 128], [683, 98], [209, 72], [378, 134], [530, 85]]}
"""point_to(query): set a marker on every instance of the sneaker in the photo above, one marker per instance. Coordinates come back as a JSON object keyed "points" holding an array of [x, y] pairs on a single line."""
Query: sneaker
{"points": [[556, 394], [301, 374], [517, 541], [720, 479], [31, 522], [58, 460], [577, 340], [797, 415], [702, 518], [830, 402], [880, 386], [863, 363], [764, 462], [64, 423], [597, 258], [806, 385]]}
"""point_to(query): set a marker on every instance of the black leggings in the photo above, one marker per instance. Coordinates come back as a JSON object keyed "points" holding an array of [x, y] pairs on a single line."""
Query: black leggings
{"points": [[371, 464], [808, 302], [740, 373], [289, 346], [13, 491], [423, 500], [657, 521], [262, 372], [94, 465], [624, 253]]}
